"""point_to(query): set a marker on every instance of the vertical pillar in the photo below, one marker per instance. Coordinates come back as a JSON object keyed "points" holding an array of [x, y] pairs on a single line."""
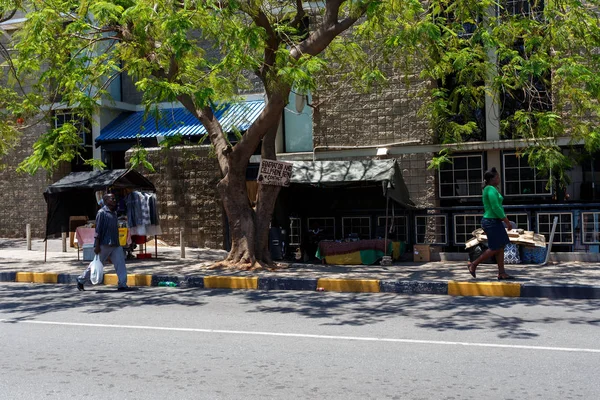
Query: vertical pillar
{"points": [[64, 241], [28, 235], [492, 103], [182, 243]]}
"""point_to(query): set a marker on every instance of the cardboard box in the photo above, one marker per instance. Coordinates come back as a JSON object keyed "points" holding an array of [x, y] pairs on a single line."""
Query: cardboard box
{"points": [[422, 252]]}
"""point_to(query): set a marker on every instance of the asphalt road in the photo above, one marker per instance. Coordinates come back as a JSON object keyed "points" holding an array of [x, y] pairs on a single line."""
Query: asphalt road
{"points": [[170, 343]]}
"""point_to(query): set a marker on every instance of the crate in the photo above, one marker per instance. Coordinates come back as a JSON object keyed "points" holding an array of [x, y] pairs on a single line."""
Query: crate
{"points": [[88, 252]]}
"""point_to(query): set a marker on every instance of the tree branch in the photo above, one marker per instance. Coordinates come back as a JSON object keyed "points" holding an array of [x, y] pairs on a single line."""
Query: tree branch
{"points": [[300, 14], [9, 16], [261, 20], [328, 30], [214, 129]]}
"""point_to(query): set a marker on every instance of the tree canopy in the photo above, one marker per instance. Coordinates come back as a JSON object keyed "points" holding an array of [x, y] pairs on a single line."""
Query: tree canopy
{"points": [[539, 60]]}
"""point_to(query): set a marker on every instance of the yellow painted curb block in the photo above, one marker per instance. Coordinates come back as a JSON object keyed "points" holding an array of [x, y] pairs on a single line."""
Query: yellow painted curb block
{"points": [[37, 277], [24, 277], [230, 282], [493, 289], [132, 280], [349, 285]]}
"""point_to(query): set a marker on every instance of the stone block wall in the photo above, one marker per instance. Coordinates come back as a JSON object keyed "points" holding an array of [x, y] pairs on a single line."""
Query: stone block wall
{"points": [[186, 179], [346, 117], [421, 182], [21, 195], [390, 114]]}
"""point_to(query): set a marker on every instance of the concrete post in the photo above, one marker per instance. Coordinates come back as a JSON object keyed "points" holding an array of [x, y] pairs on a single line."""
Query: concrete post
{"points": [[182, 243], [64, 241], [28, 235]]}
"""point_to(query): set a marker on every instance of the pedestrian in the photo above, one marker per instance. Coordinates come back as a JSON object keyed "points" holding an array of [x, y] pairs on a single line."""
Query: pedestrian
{"points": [[493, 223], [106, 243]]}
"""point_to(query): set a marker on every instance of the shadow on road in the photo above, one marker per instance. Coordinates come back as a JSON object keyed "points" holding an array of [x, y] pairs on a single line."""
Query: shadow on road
{"points": [[439, 313]]}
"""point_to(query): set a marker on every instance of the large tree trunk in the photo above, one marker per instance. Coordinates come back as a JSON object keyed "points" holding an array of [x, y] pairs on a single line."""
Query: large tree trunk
{"points": [[265, 204], [241, 221]]}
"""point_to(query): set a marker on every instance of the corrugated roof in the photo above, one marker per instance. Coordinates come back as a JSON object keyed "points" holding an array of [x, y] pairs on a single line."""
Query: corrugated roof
{"points": [[179, 121]]}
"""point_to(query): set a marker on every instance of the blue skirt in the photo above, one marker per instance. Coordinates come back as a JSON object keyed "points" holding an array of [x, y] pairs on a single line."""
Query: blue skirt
{"points": [[495, 232]]}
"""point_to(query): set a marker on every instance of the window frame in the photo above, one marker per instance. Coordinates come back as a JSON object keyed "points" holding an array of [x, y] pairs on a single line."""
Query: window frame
{"points": [[445, 228], [82, 133], [595, 232], [468, 183], [361, 217], [526, 215], [535, 181], [294, 234], [381, 218], [455, 224], [310, 219], [559, 231]]}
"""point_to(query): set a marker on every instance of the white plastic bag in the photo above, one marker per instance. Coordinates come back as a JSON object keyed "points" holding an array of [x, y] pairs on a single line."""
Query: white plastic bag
{"points": [[97, 270]]}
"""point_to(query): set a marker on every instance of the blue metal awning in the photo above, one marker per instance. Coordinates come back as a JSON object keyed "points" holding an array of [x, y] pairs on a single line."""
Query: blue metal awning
{"points": [[179, 121]]}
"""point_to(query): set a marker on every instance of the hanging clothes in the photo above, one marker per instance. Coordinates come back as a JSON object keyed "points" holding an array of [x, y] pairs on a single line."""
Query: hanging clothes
{"points": [[142, 214]]}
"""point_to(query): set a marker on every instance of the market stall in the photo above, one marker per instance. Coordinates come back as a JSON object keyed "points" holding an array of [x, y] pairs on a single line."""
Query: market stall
{"points": [[330, 182], [366, 252], [75, 196]]}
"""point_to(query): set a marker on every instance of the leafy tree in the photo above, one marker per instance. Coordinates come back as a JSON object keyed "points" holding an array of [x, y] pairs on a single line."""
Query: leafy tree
{"points": [[200, 53], [538, 59]]}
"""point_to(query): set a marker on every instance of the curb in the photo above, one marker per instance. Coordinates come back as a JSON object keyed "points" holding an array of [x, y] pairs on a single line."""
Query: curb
{"points": [[452, 288]]}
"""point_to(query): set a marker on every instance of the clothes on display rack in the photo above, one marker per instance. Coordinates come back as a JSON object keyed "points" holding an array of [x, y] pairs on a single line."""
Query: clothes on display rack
{"points": [[142, 214]]}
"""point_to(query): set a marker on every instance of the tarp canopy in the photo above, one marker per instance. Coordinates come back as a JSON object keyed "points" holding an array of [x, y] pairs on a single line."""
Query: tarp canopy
{"points": [[73, 195], [339, 173]]}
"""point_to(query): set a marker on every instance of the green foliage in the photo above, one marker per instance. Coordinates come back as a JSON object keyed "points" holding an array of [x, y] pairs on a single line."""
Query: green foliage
{"points": [[139, 158], [62, 144], [205, 52], [543, 68]]}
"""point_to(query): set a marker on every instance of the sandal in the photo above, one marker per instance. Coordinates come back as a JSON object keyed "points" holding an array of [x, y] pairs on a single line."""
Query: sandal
{"points": [[472, 271], [503, 277]]}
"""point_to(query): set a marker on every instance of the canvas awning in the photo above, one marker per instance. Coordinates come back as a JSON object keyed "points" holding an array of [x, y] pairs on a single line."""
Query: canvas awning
{"points": [[73, 195], [100, 180], [339, 173]]}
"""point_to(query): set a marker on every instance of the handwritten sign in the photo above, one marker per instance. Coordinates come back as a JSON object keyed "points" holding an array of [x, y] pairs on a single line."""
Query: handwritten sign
{"points": [[277, 173]]}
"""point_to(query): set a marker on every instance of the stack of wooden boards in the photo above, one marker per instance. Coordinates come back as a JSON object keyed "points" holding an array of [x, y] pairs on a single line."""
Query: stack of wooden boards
{"points": [[516, 236]]}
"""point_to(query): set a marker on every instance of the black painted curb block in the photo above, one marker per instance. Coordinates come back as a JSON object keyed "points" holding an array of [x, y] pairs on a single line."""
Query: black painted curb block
{"points": [[193, 282], [8, 276], [287, 284], [413, 287], [560, 291], [67, 278]]}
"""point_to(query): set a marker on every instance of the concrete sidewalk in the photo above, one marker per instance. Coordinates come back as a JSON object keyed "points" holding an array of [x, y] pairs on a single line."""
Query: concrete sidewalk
{"points": [[555, 280]]}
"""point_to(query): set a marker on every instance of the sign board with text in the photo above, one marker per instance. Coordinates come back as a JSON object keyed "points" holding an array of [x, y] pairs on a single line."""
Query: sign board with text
{"points": [[277, 173]]}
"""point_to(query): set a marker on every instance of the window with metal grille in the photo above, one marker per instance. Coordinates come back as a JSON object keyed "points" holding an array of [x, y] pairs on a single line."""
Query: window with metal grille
{"points": [[525, 8], [431, 229], [84, 131], [83, 127], [520, 179], [521, 219], [464, 225], [590, 224], [356, 225], [564, 227], [295, 231], [462, 177], [325, 225], [397, 228]]}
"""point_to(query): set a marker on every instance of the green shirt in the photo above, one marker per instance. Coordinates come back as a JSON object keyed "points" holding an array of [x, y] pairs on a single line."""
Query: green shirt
{"points": [[492, 203]]}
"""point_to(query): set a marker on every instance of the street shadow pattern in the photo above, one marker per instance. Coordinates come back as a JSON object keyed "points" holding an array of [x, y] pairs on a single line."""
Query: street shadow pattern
{"points": [[438, 313]]}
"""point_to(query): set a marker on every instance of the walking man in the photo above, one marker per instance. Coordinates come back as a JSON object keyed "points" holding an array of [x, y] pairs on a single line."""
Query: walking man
{"points": [[106, 243]]}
